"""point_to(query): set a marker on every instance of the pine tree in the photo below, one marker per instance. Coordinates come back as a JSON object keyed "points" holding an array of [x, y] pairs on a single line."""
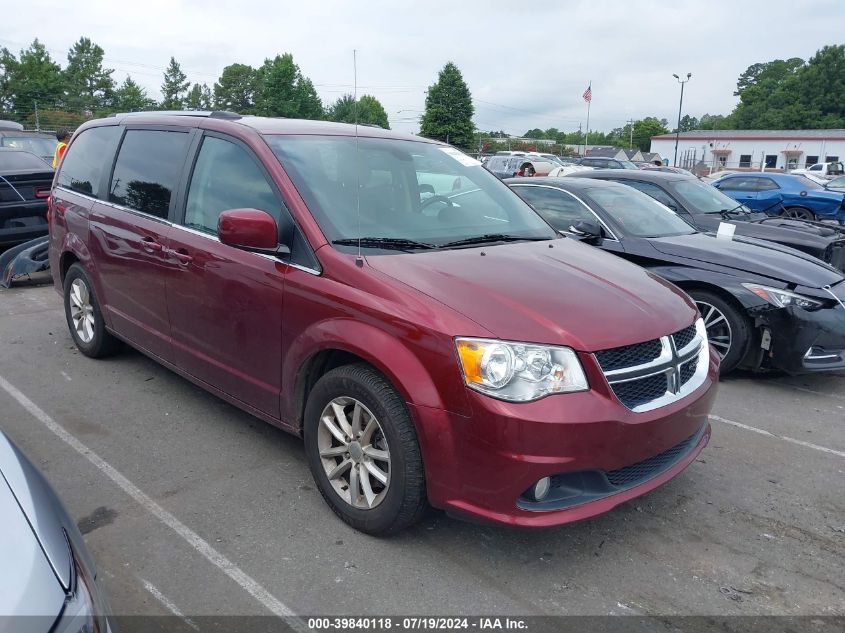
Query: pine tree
{"points": [[174, 87], [87, 85], [449, 109]]}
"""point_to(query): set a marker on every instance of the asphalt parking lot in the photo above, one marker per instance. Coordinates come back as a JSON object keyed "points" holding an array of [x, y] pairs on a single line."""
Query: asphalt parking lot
{"points": [[191, 506]]}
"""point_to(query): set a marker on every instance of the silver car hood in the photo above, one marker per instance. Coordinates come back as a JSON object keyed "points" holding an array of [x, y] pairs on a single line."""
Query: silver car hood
{"points": [[41, 509], [28, 585]]}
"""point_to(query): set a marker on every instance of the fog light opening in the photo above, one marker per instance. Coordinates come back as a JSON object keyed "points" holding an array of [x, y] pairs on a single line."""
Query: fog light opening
{"points": [[540, 490]]}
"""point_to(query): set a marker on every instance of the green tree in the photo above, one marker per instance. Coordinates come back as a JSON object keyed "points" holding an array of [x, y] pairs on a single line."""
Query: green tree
{"points": [[130, 97], [689, 123], [199, 98], [235, 89], [535, 133], [87, 85], [449, 109], [174, 87], [8, 65], [369, 111], [645, 128], [282, 90], [35, 79]]}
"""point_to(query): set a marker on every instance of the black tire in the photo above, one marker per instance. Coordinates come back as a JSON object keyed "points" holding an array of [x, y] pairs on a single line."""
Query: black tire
{"points": [[798, 213], [102, 343], [404, 500], [740, 328]]}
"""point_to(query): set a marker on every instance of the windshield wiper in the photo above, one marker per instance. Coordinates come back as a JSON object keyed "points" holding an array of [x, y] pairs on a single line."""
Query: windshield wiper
{"points": [[395, 243], [492, 237], [726, 213]]}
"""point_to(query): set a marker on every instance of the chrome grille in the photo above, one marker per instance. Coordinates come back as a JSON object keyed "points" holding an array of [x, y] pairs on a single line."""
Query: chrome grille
{"points": [[628, 356], [645, 376], [684, 337]]}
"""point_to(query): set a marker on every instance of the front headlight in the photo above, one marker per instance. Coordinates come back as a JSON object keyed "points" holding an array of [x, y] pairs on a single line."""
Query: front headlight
{"points": [[783, 298], [519, 372]]}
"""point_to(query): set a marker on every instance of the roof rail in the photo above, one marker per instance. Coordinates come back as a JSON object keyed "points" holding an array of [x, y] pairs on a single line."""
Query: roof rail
{"points": [[211, 114]]}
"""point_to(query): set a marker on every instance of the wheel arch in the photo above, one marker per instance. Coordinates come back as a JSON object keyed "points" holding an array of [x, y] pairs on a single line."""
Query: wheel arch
{"points": [[332, 344]]}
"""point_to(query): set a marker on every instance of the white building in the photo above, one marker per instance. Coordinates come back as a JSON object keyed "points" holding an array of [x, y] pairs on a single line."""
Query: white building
{"points": [[752, 149]]}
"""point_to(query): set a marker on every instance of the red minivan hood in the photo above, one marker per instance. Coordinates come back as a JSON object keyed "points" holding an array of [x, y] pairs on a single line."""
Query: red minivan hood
{"points": [[571, 294]]}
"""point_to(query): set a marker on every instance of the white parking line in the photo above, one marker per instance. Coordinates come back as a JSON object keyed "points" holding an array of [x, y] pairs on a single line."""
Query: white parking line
{"points": [[168, 604], [791, 440], [193, 539]]}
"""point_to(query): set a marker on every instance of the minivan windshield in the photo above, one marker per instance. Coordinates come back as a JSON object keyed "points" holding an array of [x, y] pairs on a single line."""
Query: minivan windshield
{"points": [[702, 197], [637, 213], [401, 193]]}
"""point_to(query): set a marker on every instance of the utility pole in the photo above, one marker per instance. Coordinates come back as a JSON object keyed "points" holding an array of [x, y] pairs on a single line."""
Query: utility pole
{"points": [[680, 108], [631, 123], [37, 121]]}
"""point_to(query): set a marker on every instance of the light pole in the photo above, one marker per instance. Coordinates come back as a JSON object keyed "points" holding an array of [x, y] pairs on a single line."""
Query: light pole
{"points": [[680, 108]]}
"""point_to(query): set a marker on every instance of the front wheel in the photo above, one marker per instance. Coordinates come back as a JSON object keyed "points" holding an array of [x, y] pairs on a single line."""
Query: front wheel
{"points": [[798, 213], [728, 330], [363, 451]]}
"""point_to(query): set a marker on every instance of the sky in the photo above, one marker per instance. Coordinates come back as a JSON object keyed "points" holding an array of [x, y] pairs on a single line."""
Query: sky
{"points": [[527, 64]]}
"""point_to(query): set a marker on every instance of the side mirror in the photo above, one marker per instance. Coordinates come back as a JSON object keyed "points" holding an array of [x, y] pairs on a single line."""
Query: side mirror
{"points": [[586, 230], [427, 189], [673, 207], [250, 230]]}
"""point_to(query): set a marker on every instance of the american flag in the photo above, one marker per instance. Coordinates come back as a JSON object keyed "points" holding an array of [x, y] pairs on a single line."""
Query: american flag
{"points": [[588, 94]]}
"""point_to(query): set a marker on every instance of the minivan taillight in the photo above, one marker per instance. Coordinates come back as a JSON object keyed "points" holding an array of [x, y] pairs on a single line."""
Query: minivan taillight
{"points": [[49, 212], [42, 192]]}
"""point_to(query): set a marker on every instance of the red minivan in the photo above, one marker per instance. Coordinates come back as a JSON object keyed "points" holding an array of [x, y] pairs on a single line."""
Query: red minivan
{"points": [[383, 296]]}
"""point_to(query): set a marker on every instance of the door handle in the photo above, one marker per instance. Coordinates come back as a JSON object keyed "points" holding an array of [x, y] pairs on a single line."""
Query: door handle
{"points": [[182, 256], [150, 244]]}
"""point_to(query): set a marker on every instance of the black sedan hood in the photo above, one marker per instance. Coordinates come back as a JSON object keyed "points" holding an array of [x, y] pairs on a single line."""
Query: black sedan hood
{"points": [[806, 236], [752, 256]]}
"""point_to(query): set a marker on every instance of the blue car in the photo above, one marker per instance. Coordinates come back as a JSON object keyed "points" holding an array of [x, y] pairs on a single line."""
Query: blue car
{"points": [[787, 195]]}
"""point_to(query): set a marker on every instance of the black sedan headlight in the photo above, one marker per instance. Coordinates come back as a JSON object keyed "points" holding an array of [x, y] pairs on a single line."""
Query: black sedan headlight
{"points": [[783, 298]]}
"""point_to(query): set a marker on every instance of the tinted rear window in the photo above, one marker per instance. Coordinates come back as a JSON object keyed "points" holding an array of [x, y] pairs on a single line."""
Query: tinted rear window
{"points": [[147, 170], [14, 161], [86, 159]]}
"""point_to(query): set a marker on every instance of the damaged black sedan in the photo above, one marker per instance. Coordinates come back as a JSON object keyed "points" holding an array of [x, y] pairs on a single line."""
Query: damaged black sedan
{"points": [[765, 306], [705, 207]]}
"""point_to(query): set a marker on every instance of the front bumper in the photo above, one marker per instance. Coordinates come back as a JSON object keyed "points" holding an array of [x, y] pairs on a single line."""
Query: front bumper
{"points": [[806, 342], [479, 467]]}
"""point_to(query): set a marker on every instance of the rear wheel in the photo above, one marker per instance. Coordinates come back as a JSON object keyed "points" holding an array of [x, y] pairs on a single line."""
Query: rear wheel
{"points": [[84, 318], [363, 452], [727, 328], [798, 213]]}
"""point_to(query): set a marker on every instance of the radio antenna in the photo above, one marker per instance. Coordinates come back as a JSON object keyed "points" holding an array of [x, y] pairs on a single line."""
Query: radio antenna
{"points": [[359, 260]]}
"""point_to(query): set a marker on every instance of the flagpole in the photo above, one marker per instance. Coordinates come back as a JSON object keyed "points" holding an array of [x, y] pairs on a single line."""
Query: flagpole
{"points": [[589, 103]]}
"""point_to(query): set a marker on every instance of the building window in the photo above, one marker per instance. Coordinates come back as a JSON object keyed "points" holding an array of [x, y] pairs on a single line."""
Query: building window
{"points": [[792, 162], [745, 160], [771, 161], [723, 160], [831, 159], [811, 160]]}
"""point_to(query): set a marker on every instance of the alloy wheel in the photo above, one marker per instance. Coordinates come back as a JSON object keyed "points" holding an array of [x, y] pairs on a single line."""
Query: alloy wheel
{"points": [[354, 453], [82, 310], [718, 328], [797, 213]]}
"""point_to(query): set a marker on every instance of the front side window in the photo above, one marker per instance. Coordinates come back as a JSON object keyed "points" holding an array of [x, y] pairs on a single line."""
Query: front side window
{"points": [[638, 214], [737, 184], [147, 170], [557, 207], [90, 153], [226, 177], [392, 189]]}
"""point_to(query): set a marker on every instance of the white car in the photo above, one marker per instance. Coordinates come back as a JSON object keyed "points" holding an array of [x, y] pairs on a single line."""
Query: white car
{"points": [[823, 171]]}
